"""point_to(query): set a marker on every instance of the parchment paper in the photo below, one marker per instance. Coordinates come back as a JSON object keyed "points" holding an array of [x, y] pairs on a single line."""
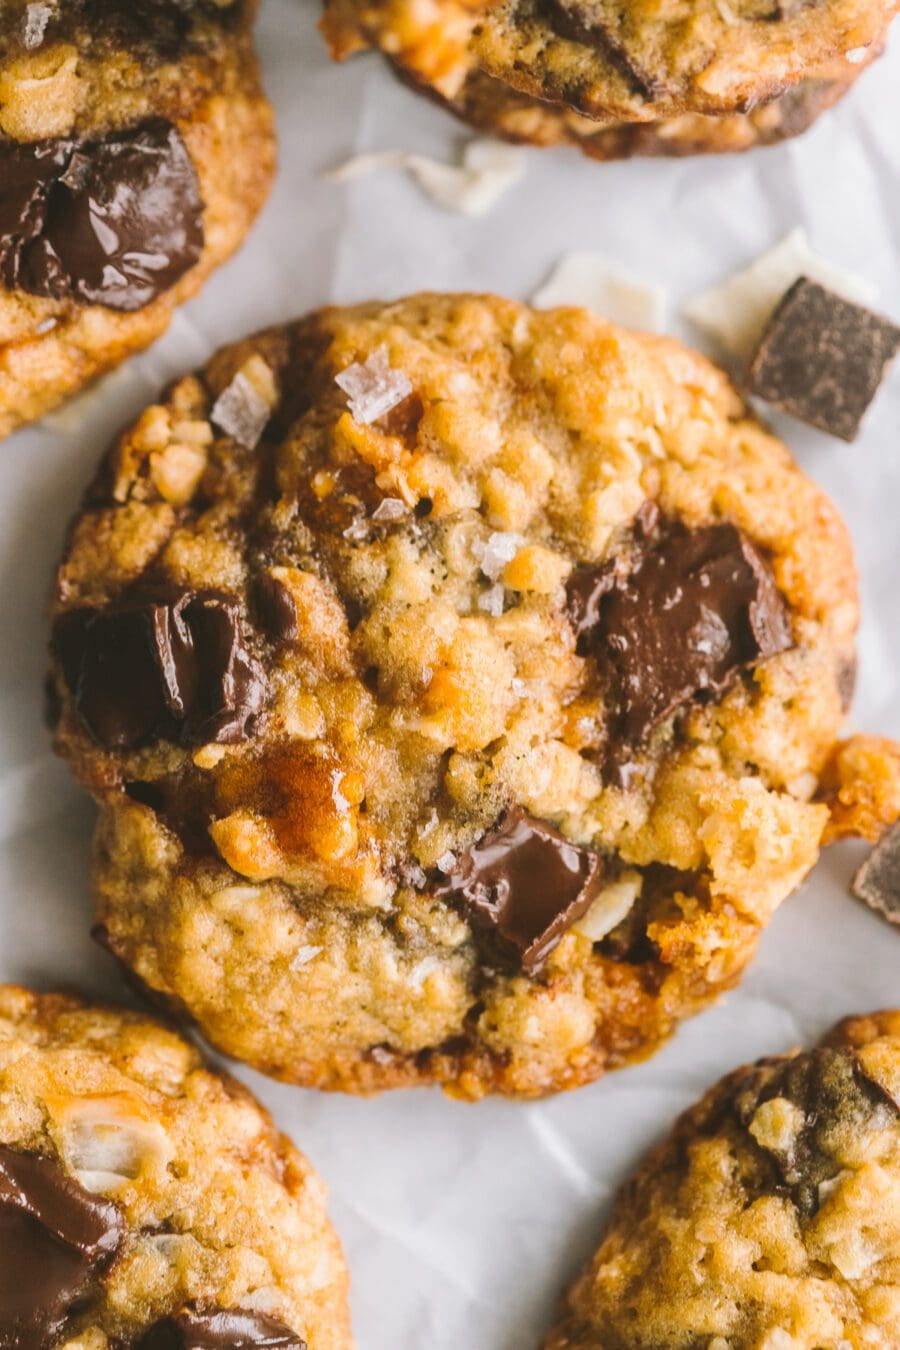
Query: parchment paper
{"points": [[462, 1223]]}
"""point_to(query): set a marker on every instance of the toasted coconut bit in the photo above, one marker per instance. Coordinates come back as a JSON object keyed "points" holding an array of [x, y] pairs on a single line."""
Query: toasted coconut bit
{"points": [[373, 387], [303, 957], [489, 168]]}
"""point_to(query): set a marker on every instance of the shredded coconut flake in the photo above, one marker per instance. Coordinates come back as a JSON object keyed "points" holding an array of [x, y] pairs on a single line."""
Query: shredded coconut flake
{"points": [[303, 956], [446, 862], [586, 279], [492, 601], [518, 686], [373, 387], [856, 56], [489, 168], [241, 412], [493, 555], [737, 312], [36, 19], [392, 508]]}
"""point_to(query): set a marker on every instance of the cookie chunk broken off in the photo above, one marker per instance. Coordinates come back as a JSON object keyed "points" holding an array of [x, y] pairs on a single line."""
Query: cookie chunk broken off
{"points": [[770, 1217], [462, 723], [646, 78], [146, 1202], [136, 147]]}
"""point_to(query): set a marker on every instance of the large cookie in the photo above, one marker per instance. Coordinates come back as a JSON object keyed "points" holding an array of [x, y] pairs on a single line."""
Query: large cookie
{"points": [[769, 1218], [147, 1203], [466, 729], [651, 77], [136, 147]]}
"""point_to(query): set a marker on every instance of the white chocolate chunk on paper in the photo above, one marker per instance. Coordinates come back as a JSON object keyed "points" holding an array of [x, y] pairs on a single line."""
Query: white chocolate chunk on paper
{"points": [[489, 169], [590, 281], [736, 312]]}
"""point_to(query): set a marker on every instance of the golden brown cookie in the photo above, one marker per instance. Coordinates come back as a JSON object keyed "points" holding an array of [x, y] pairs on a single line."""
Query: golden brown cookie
{"points": [[616, 80], [454, 680], [769, 1220], [136, 147], [147, 1202]]}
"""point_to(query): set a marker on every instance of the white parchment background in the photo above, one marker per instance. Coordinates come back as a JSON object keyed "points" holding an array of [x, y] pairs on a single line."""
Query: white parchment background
{"points": [[462, 1223]]}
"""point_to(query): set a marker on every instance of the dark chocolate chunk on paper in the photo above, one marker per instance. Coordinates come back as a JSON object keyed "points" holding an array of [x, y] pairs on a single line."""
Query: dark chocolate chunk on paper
{"points": [[220, 1329], [822, 359], [55, 1238], [877, 883], [522, 885], [692, 610]]}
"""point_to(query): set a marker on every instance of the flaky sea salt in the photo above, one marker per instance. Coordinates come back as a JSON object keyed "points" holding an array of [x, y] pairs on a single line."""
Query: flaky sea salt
{"points": [[303, 956], [736, 312], [586, 279], [392, 508], [241, 412], [493, 555], [491, 602], [489, 168], [373, 387], [37, 17]]}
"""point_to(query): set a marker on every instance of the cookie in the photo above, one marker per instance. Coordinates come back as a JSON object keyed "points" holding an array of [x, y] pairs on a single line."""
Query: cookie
{"points": [[770, 1217], [136, 147], [147, 1202], [453, 679], [650, 79]]}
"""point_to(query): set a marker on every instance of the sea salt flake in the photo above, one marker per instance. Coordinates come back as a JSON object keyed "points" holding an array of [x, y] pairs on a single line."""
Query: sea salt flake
{"points": [[358, 531], [736, 312], [36, 19], [493, 555], [446, 862], [392, 508], [373, 387], [588, 280], [489, 168], [241, 412], [492, 601], [303, 956]]}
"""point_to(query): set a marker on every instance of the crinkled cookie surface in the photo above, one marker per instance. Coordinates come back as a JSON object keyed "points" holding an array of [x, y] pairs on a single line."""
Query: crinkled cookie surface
{"points": [[770, 1220], [462, 721], [676, 77], [136, 147], [147, 1203]]}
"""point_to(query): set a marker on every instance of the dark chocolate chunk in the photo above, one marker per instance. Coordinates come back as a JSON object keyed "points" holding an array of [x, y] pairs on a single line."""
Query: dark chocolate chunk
{"points": [[219, 1329], [55, 1239], [832, 1095], [877, 882], [276, 608], [174, 666], [823, 358], [113, 222], [522, 885], [693, 609]]}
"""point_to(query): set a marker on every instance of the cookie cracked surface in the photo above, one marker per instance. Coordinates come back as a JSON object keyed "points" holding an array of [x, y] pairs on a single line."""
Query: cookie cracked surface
{"points": [[616, 80], [770, 1218], [385, 797], [147, 1203], [136, 147]]}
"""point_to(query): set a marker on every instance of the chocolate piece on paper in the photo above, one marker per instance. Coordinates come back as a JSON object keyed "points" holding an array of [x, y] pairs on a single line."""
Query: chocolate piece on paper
{"points": [[522, 885], [220, 1329], [55, 1238], [877, 882], [822, 359]]}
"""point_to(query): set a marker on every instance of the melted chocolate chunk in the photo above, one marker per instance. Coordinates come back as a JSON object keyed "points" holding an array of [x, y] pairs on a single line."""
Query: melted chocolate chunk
{"points": [[833, 1096], [113, 222], [219, 1329], [521, 886], [174, 667], [822, 359], [276, 608], [692, 610], [55, 1239]]}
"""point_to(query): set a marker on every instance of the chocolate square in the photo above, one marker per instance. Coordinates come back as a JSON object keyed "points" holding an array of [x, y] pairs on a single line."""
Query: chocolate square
{"points": [[822, 359], [877, 882]]}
